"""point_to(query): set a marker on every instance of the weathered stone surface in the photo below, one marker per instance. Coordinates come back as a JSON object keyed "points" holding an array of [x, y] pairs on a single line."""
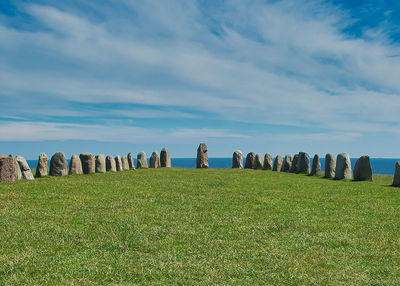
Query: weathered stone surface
{"points": [[277, 164], [75, 165], [316, 166], [42, 168], [155, 160], [24, 167], [110, 164], [258, 162], [118, 163], [250, 161], [100, 163], [330, 166], [396, 176], [268, 162], [131, 161], [295, 161], [8, 169], [88, 163], [287, 163], [362, 169], [141, 160], [58, 165], [303, 163], [165, 158], [237, 159], [202, 156], [343, 167], [125, 163]]}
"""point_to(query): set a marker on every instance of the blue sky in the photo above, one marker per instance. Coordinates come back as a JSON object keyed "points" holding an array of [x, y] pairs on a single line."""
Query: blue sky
{"points": [[266, 76]]}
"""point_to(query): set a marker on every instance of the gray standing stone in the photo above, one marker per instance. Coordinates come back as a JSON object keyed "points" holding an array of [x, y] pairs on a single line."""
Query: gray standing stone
{"points": [[141, 161], [268, 162], [330, 166], [24, 167], [8, 169], [202, 156], [75, 166], [303, 164], [100, 163], [110, 164], [125, 163], [287, 163], [258, 162], [396, 176], [88, 163], [362, 169], [58, 165], [237, 159], [316, 166], [131, 162], [250, 161], [277, 163], [343, 167], [118, 163], [42, 168], [295, 161], [155, 160], [165, 158]]}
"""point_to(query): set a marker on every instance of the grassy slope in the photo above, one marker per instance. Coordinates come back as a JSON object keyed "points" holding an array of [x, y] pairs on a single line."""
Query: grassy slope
{"points": [[187, 226]]}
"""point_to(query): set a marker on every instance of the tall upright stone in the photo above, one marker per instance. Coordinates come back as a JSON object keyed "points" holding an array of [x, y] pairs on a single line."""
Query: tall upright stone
{"points": [[343, 167], [277, 164], [362, 169], [125, 163], [250, 161], [237, 159], [295, 162], [141, 161], [24, 167], [165, 158], [118, 163], [58, 165], [88, 163], [330, 166], [258, 162], [8, 169], [396, 176], [100, 163], [131, 162], [268, 162], [287, 163], [202, 156], [42, 168], [75, 166], [303, 164], [155, 160], [316, 166], [110, 164]]}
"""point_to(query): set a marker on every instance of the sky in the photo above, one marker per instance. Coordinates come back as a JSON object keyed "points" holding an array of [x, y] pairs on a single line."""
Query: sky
{"points": [[119, 76]]}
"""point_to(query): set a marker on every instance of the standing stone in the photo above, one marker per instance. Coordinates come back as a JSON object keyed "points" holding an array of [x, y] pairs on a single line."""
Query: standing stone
{"points": [[100, 163], [362, 169], [165, 158], [125, 163], [343, 167], [42, 168], [237, 159], [268, 162], [118, 163], [277, 163], [258, 162], [250, 161], [88, 163], [19, 173], [75, 166], [287, 163], [155, 160], [24, 167], [8, 169], [131, 162], [316, 166], [330, 166], [110, 164], [202, 156], [58, 165], [295, 161], [141, 161], [396, 177], [303, 163]]}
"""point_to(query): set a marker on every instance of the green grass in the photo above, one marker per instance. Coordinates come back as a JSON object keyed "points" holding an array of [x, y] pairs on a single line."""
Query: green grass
{"points": [[199, 227]]}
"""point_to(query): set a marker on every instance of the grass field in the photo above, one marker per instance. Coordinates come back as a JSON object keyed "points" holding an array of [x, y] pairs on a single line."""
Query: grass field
{"points": [[199, 227]]}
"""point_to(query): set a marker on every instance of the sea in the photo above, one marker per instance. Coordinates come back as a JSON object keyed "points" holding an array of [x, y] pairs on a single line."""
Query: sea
{"points": [[379, 165]]}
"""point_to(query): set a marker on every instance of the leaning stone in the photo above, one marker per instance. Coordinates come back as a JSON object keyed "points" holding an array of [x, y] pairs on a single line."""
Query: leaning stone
{"points": [[8, 169], [100, 163], [362, 169], [141, 161], [295, 161], [42, 168], [277, 163], [268, 162], [343, 167], [131, 162], [24, 167], [165, 158], [237, 159], [75, 166], [202, 156], [125, 163], [330, 166], [19, 173], [316, 166], [58, 165], [250, 161], [118, 163], [303, 163], [155, 160], [88, 163], [258, 162], [396, 177], [110, 164], [287, 163]]}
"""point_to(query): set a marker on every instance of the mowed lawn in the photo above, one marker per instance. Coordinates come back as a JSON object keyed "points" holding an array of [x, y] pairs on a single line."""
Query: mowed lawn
{"points": [[199, 227]]}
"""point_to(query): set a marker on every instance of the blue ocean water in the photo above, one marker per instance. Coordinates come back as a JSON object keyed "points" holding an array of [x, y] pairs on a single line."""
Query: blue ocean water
{"points": [[379, 165]]}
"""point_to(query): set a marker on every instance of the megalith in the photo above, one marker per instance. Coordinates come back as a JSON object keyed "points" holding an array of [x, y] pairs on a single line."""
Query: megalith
{"points": [[155, 160], [258, 162], [125, 163], [237, 159], [88, 163], [42, 168], [24, 167], [202, 156], [343, 167], [131, 161], [277, 163], [362, 169], [330, 166], [287, 163], [58, 165], [250, 161], [110, 164], [118, 163], [396, 176], [75, 165], [100, 163], [316, 166], [165, 158], [268, 162], [141, 161], [8, 169], [303, 163], [295, 161]]}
